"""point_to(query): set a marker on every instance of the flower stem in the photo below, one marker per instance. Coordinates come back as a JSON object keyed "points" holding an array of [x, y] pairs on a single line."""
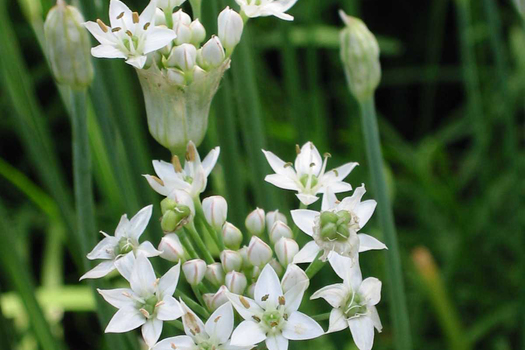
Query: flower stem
{"points": [[177, 324], [187, 244], [198, 295], [396, 288], [315, 266], [190, 228], [196, 8], [217, 237]]}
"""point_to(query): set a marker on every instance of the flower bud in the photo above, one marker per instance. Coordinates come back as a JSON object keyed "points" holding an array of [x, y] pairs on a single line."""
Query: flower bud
{"points": [[231, 260], [244, 253], [181, 17], [183, 57], [171, 248], [255, 272], [231, 236], [286, 249], [215, 210], [236, 282], [175, 76], [259, 253], [213, 301], [255, 222], [174, 215], [160, 17], [277, 267], [273, 216], [280, 230], [230, 29], [194, 271], [215, 274], [212, 53], [68, 46], [198, 33], [360, 56], [251, 291], [183, 32]]}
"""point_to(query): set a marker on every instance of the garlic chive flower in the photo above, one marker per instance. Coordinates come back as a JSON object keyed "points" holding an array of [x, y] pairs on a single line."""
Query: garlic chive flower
{"points": [[147, 303], [129, 35], [308, 176], [354, 302], [212, 335], [272, 315], [125, 241], [191, 178], [262, 8], [335, 228]]}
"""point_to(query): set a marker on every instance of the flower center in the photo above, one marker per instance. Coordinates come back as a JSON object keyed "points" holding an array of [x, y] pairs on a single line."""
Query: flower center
{"points": [[206, 345], [273, 319], [124, 246], [337, 226], [188, 179], [149, 306], [312, 178], [355, 307]]}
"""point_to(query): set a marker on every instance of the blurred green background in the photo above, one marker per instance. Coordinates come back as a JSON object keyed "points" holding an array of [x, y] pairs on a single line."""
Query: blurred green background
{"points": [[451, 117]]}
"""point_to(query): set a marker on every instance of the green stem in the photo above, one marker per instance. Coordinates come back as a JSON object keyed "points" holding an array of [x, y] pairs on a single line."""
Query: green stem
{"points": [[192, 304], [315, 266], [177, 324], [198, 295], [209, 230], [188, 247], [196, 8], [190, 228], [396, 288], [322, 317]]}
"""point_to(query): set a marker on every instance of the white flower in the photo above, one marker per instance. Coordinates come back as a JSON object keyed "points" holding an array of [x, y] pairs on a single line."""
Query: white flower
{"points": [[262, 8], [169, 5], [192, 178], [309, 176], [130, 36], [125, 241], [230, 27], [353, 302], [273, 315], [148, 303], [214, 334], [335, 228]]}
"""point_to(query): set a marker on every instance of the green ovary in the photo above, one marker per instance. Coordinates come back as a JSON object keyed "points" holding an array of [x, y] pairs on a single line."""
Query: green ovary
{"points": [[124, 246], [335, 226], [313, 182]]}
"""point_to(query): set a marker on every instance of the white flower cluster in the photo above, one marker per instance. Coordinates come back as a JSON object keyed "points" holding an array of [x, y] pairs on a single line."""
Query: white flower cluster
{"points": [[261, 280]]}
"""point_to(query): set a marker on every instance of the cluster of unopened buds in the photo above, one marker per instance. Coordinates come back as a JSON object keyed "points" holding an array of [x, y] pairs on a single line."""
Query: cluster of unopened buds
{"points": [[262, 280]]}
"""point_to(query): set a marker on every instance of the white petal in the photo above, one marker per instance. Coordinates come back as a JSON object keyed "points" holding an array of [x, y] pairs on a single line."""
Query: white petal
{"points": [[346, 269], [104, 249], [307, 254], [168, 282], [276, 342], [125, 320], [307, 199], [148, 14], [192, 323], [349, 203], [247, 333], [309, 159], [329, 199], [294, 296], [119, 298], [335, 186], [268, 288], [334, 294], [293, 275], [278, 165], [125, 265], [148, 249], [122, 227], [157, 38], [282, 181], [151, 331], [372, 311], [362, 329], [300, 326], [337, 321], [143, 277], [305, 220], [164, 170], [240, 302], [107, 51], [220, 323], [103, 38], [210, 160], [370, 289], [364, 211], [137, 61], [181, 342], [278, 13], [156, 186], [169, 310], [100, 270], [116, 7], [367, 243], [139, 222], [339, 173]]}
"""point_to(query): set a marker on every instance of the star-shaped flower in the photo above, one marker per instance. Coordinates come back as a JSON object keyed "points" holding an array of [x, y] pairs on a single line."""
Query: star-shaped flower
{"points": [[272, 316], [354, 302], [192, 178], [125, 241], [214, 334], [262, 8], [148, 303], [335, 228], [309, 177], [130, 36]]}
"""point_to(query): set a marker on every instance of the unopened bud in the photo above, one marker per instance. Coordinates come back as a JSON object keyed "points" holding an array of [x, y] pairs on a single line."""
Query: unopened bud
{"points": [[244, 253], [259, 253], [175, 76], [231, 260], [230, 29], [213, 301], [212, 53], [280, 230], [183, 32], [215, 210], [215, 274], [183, 57], [231, 236], [255, 222], [286, 249], [360, 56], [198, 33], [273, 216], [251, 291], [173, 219], [255, 272], [181, 17], [277, 267], [167, 204], [236, 282], [171, 248], [194, 271], [68, 46]]}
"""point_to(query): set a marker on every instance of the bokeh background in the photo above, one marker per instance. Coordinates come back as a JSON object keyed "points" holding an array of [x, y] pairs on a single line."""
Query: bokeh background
{"points": [[451, 118]]}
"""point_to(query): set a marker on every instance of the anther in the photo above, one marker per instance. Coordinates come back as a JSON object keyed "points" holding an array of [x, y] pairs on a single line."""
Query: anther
{"points": [[297, 149], [190, 152], [256, 319], [327, 155], [274, 324], [121, 15], [288, 164], [285, 316], [146, 26], [102, 26], [282, 301], [173, 346], [217, 319], [244, 302], [135, 17], [265, 297], [130, 34], [176, 164], [312, 165], [144, 312], [336, 172], [159, 303], [159, 181]]}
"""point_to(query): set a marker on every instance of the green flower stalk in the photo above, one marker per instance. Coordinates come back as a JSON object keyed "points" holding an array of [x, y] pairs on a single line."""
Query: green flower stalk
{"points": [[67, 45]]}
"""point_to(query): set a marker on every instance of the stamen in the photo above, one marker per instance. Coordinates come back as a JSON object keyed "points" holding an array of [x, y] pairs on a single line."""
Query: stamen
{"points": [[120, 16], [173, 346], [116, 29], [190, 152], [146, 26], [159, 181], [126, 294], [265, 297], [130, 34], [244, 302], [297, 149], [217, 319], [327, 155], [256, 319], [102, 26], [285, 316], [336, 172], [288, 164], [176, 164], [274, 324], [312, 165], [156, 283], [145, 313], [135, 17], [282, 301], [159, 303]]}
